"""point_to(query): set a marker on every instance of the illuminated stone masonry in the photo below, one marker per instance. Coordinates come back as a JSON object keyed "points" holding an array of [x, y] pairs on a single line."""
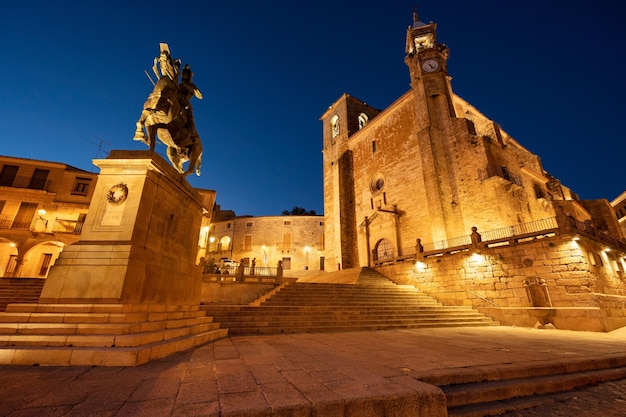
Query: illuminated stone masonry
{"points": [[431, 167], [129, 290]]}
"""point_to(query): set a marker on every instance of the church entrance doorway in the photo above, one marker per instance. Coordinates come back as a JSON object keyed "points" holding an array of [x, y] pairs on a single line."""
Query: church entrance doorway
{"points": [[383, 251]]}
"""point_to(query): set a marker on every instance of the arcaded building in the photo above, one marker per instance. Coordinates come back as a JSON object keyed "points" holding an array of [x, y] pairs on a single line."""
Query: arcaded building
{"points": [[435, 194], [43, 206]]}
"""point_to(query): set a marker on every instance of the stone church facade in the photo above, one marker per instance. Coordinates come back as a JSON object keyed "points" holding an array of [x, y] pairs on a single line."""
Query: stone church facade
{"points": [[430, 180]]}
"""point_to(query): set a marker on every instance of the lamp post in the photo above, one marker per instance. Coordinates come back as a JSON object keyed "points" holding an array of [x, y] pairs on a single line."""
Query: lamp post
{"points": [[42, 212]]}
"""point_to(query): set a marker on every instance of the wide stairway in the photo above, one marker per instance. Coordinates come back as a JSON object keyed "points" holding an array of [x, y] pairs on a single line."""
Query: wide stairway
{"points": [[349, 300], [19, 290]]}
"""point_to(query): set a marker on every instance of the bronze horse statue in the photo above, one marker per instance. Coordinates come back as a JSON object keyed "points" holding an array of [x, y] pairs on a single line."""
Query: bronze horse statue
{"points": [[167, 114]]}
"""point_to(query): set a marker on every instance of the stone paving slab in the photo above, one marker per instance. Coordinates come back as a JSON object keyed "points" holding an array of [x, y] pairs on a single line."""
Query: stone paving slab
{"points": [[354, 374]]}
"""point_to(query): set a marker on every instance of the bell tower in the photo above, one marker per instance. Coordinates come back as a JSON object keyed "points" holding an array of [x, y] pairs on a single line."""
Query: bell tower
{"points": [[427, 62], [435, 125]]}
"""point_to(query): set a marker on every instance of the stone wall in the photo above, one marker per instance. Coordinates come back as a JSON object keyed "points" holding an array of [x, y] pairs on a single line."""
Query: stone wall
{"points": [[585, 281], [237, 293]]}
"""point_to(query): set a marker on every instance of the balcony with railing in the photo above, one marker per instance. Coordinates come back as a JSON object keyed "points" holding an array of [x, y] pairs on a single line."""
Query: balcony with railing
{"points": [[500, 172], [31, 183], [8, 222], [68, 226], [589, 230], [509, 235]]}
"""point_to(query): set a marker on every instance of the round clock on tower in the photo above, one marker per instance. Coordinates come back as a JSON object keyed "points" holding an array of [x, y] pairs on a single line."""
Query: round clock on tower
{"points": [[430, 65]]}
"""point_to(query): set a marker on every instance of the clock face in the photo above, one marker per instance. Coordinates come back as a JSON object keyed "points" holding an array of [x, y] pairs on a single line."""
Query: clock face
{"points": [[430, 65]]}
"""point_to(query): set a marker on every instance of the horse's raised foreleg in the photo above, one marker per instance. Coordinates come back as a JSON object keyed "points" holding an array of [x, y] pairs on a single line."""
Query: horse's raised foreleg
{"points": [[139, 132], [152, 130]]}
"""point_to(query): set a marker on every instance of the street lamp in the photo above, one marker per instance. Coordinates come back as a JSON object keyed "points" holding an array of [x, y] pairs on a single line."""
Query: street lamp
{"points": [[42, 212]]}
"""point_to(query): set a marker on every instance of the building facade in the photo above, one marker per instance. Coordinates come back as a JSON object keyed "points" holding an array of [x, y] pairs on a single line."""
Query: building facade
{"points": [[436, 195], [296, 241], [430, 167], [619, 205], [43, 206]]}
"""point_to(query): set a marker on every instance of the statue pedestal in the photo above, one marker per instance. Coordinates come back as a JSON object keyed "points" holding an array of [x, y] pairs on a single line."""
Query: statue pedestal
{"points": [[139, 242], [129, 291]]}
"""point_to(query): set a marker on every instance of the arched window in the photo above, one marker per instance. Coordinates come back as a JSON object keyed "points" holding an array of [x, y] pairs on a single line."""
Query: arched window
{"points": [[334, 126], [363, 119], [224, 243]]}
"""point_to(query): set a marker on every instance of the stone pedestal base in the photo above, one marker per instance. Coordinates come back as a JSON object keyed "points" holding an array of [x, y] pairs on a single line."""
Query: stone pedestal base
{"points": [[139, 241], [129, 290], [100, 334]]}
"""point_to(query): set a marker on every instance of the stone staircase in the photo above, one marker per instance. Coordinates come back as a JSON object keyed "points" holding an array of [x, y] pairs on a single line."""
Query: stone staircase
{"points": [[100, 334], [492, 392], [19, 290], [364, 300]]}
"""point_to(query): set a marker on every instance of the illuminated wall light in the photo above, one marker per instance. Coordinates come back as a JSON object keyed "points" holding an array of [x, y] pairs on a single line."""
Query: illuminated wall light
{"points": [[420, 266], [477, 257]]}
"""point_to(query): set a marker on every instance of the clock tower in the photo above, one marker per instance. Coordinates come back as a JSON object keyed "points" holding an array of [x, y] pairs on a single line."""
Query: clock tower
{"points": [[427, 61], [435, 125]]}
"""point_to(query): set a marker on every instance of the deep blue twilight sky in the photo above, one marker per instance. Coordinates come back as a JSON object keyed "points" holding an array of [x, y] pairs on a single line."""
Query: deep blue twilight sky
{"points": [[551, 73]]}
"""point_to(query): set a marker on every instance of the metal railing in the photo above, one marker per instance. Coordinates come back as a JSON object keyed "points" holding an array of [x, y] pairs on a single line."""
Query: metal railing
{"points": [[7, 221], [21, 181], [448, 243], [588, 230], [68, 226], [503, 235], [520, 229]]}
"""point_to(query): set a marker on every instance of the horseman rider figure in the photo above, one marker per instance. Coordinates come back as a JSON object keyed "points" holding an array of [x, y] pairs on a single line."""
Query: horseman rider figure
{"points": [[167, 113]]}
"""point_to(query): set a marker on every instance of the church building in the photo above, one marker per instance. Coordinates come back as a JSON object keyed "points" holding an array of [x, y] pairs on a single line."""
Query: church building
{"points": [[437, 195], [429, 167]]}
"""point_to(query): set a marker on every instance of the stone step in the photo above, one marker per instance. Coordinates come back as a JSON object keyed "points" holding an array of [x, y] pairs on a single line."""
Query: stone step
{"points": [[364, 300], [501, 390], [98, 308], [98, 328], [57, 338], [85, 317], [313, 328], [316, 310], [251, 314], [234, 324], [262, 314], [104, 334], [19, 290], [105, 356], [347, 297], [331, 303]]}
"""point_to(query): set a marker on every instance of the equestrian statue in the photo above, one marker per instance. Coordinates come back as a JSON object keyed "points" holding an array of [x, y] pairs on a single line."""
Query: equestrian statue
{"points": [[167, 114]]}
